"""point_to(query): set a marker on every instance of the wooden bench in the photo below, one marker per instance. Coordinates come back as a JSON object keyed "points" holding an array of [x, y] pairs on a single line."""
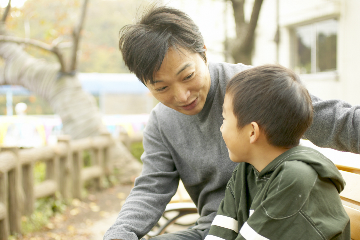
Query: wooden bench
{"points": [[350, 197], [180, 205], [349, 166]]}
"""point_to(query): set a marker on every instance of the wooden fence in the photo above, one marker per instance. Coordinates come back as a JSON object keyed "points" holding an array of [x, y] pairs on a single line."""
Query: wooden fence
{"points": [[65, 173]]}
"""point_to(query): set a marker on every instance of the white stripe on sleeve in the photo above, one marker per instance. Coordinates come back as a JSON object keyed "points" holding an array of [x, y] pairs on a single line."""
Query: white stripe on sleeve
{"points": [[251, 211], [212, 237], [226, 222], [249, 234]]}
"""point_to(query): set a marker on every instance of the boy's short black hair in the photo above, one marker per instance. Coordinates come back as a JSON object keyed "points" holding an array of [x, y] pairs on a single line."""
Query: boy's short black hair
{"points": [[144, 44], [273, 97]]}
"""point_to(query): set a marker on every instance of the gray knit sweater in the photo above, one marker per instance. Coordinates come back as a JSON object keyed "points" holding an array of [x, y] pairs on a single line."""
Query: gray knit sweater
{"points": [[191, 148]]}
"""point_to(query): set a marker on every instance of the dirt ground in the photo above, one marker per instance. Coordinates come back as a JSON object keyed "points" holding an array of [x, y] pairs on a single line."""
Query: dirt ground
{"points": [[90, 218], [87, 219]]}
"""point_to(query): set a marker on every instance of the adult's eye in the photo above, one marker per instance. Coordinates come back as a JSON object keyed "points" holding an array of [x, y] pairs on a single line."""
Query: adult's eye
{"points": [[160, 89], [189, 76]]}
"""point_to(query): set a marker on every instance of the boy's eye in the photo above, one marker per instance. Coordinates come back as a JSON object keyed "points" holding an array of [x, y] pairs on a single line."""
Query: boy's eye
{"points": [[189, 76]]}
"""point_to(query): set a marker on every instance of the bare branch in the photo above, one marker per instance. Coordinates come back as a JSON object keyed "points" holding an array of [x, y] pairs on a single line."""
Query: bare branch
{"points": [[76, 36], [28, 41], [253, 21], [245, 31], [6, 13], [59, 44], [60, 57], [38, 44], [63, 45], [56, 41], [239, 15]]}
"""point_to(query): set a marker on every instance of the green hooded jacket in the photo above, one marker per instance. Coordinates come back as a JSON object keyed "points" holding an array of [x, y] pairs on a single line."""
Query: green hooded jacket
{"points": [[296, 196]]}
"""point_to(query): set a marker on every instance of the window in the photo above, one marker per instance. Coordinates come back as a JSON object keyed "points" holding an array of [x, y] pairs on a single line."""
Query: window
{"points": [[315, 46]]}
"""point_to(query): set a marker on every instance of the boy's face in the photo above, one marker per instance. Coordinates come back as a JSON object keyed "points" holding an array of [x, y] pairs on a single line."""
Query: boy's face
{"points": [[182, 82], [236, 140]]}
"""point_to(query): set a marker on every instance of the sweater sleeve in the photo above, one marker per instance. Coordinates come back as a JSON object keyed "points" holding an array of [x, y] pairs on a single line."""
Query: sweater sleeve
{"points": [[225, 224], [152, 191], [336, 125]]}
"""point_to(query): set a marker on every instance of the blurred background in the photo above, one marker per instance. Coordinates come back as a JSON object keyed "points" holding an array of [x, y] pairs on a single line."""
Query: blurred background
{"points": [[316, 38], [61, 72]]}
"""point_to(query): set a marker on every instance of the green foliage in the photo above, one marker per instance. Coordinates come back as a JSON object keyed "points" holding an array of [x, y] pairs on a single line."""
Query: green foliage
{"points": [[46, 21], [137, 150], [87, 158], [45, 208], [39, 172]]}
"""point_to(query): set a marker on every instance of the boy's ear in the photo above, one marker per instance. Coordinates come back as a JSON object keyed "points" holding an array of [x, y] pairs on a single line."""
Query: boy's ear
{"points": [[255, 132]]}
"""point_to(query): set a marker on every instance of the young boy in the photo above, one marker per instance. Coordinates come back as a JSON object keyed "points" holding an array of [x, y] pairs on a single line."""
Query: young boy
{"points": [[279, 190]]}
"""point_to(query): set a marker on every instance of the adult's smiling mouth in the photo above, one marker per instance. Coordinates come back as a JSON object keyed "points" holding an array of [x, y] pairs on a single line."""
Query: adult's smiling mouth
{"points": [[190, 106]]}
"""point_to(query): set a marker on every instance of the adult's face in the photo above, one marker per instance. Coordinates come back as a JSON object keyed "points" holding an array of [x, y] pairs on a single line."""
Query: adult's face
{"points": [[182, 82]]}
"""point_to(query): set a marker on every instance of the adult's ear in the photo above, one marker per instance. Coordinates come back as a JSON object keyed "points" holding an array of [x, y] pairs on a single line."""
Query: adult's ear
{"points": [[254, 132], [205, 58]]}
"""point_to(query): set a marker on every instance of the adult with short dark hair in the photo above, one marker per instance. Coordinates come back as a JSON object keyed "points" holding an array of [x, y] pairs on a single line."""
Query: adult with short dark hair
{"points": [[166, 51]]}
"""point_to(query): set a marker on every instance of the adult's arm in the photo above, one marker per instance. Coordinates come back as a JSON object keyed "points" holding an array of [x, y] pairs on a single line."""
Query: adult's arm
{"points": [[152, 191], [336, 125]]}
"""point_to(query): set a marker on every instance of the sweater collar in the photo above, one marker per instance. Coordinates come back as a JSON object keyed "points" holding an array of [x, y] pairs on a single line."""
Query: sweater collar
{"points": [[202, 115]]}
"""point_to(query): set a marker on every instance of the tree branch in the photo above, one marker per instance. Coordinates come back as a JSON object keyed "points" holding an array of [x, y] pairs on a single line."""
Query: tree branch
{"points": [[253, 22], [76, 36], [51, 48], [239, 15], [6, 13]]}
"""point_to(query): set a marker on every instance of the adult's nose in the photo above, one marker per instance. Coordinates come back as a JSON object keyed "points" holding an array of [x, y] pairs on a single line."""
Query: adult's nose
{"points": [[181, 94]]}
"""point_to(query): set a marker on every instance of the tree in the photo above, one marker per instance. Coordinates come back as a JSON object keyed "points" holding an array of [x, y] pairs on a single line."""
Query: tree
{"points": [[46, 20], [56, 82], [243, 46]]}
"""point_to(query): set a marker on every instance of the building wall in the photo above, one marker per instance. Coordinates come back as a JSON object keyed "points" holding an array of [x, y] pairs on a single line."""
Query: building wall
{"points": [[126, 103], [118, 93], [342, 84], [214, 20]]}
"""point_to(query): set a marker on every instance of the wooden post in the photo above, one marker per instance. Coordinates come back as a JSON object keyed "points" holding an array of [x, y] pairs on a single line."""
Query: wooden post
{"points": [[52, 170], [92, 154], [28, 186], [98, 162], [4, 218], [107, 163], [65, 169], [15, 193], [78, 163]]}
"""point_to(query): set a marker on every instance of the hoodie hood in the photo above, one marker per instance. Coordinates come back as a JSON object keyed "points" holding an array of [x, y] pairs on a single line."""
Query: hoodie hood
{"points": [[324, 167]]}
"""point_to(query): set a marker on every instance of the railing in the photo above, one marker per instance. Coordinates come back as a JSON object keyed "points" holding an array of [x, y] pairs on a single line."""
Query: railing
{"points": [[127, 140], [65, 173]]}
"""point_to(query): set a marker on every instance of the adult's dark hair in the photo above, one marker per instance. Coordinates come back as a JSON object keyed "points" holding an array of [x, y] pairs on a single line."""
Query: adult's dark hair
{"points": [[144, 44], [273, 97]]}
